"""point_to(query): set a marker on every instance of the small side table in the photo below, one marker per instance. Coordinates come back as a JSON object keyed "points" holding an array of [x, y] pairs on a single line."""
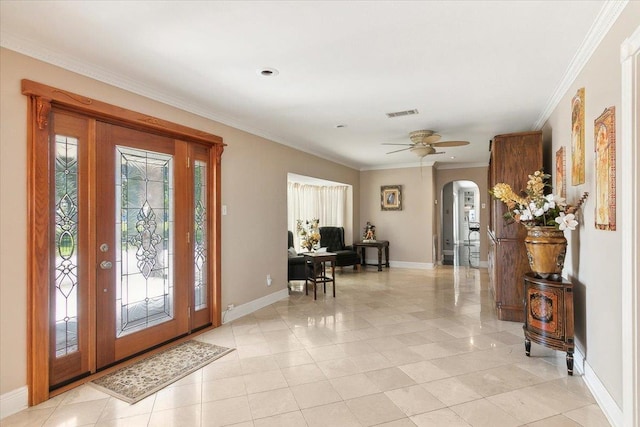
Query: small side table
{"points": [[548, 319], [380, 244], [317, 273]]}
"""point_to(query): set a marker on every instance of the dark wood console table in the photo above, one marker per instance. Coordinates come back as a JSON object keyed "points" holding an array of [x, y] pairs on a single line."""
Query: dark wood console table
{"points": [[380, 244], [317, 272], [549, 315]]}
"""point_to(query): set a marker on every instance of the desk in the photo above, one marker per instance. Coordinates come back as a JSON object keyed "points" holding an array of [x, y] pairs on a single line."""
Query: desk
{"points": [[317, 273], [549, 315], [380, 244]]}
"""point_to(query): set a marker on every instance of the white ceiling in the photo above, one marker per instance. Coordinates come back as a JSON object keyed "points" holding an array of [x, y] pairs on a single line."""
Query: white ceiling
{"points": [[473, 69]]}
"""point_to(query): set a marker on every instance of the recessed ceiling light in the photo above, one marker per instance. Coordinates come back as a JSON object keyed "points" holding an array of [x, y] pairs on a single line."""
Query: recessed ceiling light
{"points": [[453, 157], [340, 126], [268, 72]]}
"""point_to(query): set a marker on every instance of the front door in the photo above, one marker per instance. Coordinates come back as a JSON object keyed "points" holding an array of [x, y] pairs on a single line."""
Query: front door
{"points": [[143, 278], [132, 238], [123, 235]]}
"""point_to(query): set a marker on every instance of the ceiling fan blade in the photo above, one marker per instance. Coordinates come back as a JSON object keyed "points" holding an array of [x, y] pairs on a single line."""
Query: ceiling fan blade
{"points": [[393, 143], [451, 143], [397, 151]]}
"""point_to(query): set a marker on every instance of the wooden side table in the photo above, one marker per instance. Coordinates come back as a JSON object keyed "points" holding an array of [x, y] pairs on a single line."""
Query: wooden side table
{"points": [[380, 244], [549, 315], [317, 272]]}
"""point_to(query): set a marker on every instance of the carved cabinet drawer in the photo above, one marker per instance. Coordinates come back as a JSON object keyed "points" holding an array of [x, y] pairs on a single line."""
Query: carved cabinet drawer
{"points": [[549, 315]]}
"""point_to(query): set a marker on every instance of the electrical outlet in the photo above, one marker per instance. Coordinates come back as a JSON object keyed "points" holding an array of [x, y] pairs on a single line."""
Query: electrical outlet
{"points": [[231, 307], [269, 281]]}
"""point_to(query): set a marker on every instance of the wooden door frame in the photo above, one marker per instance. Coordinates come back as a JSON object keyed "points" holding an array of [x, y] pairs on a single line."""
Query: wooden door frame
{"points": [[41, 100]]}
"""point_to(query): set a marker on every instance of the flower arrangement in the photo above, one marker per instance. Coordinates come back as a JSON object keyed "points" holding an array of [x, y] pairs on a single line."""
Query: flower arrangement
{"points": [[309, 232], [534, 207]]}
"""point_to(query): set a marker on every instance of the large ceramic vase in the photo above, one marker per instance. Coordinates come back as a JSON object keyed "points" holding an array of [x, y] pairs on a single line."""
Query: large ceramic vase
{"points": [[546, 249]]}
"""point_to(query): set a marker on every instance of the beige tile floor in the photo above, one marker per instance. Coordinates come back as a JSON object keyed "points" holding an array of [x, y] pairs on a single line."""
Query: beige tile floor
{"points": [[394, 348]]}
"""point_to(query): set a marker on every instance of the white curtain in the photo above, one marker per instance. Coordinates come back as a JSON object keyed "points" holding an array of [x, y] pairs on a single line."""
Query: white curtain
{"points": [[306, 202]]}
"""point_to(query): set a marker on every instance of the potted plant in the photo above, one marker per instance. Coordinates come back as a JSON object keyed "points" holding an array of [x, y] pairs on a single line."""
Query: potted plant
{"points": [[546, 216], [309, 232]]}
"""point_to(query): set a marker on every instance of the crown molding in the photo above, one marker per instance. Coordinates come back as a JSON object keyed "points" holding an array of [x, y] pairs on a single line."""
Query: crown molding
{"points": [[606, 17], [443, 166], [398, 166]]}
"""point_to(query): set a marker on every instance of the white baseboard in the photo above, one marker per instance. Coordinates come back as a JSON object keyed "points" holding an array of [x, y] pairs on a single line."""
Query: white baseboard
{"points": [[255, 305], [14, 401], [404, 264], [609, 407], [416, 265], [420, 265]]}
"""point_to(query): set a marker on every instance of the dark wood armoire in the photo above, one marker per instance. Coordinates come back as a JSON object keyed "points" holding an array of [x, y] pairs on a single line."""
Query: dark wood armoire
{"points": [[513, 157]]}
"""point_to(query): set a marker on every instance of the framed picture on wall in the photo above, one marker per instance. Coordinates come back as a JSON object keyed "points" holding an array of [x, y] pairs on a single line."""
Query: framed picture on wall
{"points": [[577, 138], [391, 197], [604, 130], [561, 173]]}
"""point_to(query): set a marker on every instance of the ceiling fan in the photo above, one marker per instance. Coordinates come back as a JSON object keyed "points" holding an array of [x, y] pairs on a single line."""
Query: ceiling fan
{"points": [[424, 143]]}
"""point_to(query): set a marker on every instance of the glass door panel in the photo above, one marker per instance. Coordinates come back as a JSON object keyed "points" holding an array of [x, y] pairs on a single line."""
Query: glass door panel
{"points": [[66, 250], [144, 243], [69, 279], [202, 271], [200, 235]]}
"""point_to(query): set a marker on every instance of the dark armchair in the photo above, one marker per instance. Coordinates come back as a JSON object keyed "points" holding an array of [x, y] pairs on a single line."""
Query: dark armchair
{"points": [[332, 238], [296, 267]]}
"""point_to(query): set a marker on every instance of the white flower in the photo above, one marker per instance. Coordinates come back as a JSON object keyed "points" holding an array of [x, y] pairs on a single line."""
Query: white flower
{"points": [[560, 201], [535, 209], [525, 215], [566, 221], [551, 202]]}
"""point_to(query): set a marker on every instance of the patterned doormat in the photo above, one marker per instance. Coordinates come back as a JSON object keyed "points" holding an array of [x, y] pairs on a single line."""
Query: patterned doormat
{"points": [[143, 378]]}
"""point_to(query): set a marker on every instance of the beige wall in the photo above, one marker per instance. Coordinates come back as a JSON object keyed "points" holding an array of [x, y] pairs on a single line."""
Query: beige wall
{"points": [[412, 230], [593, 260], [409, 231], [479, 176], [254, 188]]}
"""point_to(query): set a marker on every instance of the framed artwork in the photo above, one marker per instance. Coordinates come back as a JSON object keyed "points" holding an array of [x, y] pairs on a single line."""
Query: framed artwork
{"points": [[561, 173], [391, 197], [604, 130], [577, 138]]}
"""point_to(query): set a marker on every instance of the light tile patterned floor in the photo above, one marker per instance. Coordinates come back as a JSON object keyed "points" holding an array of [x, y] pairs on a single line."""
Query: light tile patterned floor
{"points": [[394, 348]]}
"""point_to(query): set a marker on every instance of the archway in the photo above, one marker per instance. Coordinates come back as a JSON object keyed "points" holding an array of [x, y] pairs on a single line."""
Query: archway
{"points": [[460, 224]]}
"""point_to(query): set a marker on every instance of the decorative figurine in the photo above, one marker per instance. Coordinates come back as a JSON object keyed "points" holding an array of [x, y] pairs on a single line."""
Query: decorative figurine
{"points": [[369, 233]]}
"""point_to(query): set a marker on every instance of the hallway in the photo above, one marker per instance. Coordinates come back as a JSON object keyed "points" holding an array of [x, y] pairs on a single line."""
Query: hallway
{"points": [[394, 348]]}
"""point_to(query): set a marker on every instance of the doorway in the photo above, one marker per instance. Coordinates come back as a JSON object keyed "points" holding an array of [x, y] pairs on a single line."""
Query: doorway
{"points": [[460, 224], [124, 247]]}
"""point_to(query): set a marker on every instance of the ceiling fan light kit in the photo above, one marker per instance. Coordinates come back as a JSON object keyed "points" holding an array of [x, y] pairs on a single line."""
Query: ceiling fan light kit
{"points": [[423, 150]]}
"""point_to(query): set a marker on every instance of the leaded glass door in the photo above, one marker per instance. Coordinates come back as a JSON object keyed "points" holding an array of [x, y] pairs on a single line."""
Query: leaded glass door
{"points": [[142, 276], [123, 235]]}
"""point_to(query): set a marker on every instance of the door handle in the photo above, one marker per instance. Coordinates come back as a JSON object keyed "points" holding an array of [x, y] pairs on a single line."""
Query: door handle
{"points": [[106, 265]]}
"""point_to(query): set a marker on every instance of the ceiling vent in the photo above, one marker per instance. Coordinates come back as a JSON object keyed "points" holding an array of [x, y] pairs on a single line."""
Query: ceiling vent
{"points": [[402, 113]]}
